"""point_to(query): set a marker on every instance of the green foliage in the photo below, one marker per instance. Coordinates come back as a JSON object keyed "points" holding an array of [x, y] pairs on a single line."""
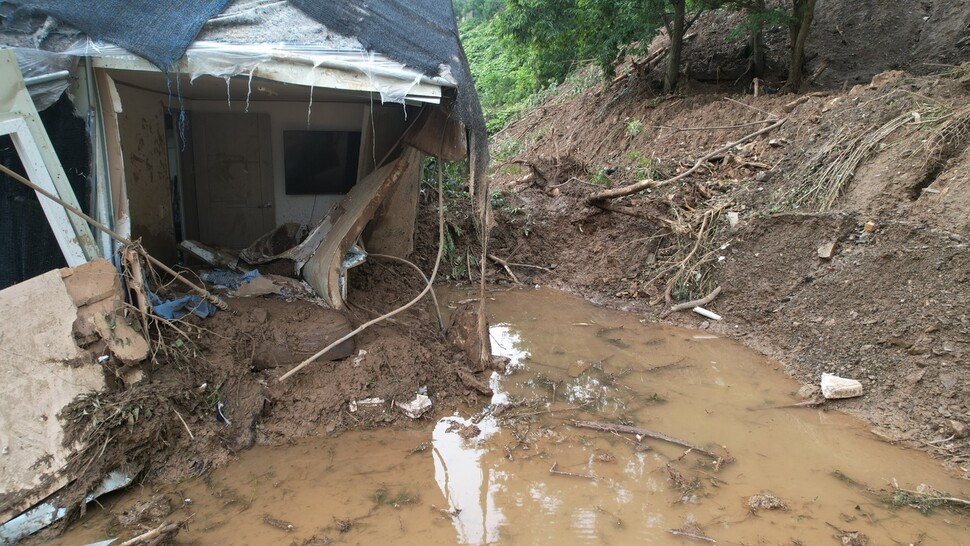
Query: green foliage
{"points": [[477, 9], [503, 81], [758, 18], [633, 127], [555, 36]]}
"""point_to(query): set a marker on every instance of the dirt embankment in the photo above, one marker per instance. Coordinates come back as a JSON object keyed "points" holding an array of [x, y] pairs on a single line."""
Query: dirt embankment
{"points": [[880, 172]]}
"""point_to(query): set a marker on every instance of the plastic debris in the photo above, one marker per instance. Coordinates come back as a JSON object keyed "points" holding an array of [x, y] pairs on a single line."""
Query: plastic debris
{"points": [[705, 313], [178, 308]]}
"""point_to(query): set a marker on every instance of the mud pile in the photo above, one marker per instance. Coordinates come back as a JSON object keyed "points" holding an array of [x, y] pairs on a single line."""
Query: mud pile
{"points": [[840, 239]]}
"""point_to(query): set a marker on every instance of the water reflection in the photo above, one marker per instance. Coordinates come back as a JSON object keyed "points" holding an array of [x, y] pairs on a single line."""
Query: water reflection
{"points": [[487, 479]]}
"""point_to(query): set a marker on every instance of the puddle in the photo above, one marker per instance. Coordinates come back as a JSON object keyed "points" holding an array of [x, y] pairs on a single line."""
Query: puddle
{"points": [[540, 480]]}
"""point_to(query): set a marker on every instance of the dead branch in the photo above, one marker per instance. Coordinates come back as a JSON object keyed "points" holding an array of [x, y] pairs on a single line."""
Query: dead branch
{"points": [[505, 265], [161, 530], [595, 198], [692, 536], [469, 380], [184, 424], [813, 403], [717, 127], [555, 470], [636, 213], [217, 301], [693, 303], [627, 429], [802, 100]]}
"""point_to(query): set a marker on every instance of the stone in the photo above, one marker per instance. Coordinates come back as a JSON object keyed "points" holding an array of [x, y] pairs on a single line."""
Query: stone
{"points": [[834, 387], [260, 315], [826, 251], [765, 501], [957, 429], [808, 392]]}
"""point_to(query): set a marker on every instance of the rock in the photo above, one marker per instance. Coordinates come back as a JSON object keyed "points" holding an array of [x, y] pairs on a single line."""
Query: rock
{"points": [[501, 364], [915, 377], [417, 407], [765, 501], [826, 251], [260, 315], [469, 431], [577, 368], [957, 429], [834, 387], [808, 392], [733, 219]]}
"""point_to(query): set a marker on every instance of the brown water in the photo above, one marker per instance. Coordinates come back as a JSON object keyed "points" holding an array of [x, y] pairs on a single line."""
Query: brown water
{"points": [[431, 486]]}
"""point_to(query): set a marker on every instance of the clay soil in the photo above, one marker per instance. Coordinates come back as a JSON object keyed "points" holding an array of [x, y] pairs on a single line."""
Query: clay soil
{"points": [[888, 307]]}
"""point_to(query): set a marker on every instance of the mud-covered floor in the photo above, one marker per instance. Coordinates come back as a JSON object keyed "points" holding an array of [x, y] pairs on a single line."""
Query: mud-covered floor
{"points": [[517, 469]]}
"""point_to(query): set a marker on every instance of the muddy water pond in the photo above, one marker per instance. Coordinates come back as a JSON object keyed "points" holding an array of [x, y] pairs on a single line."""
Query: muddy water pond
{"points": [[772, 475]]}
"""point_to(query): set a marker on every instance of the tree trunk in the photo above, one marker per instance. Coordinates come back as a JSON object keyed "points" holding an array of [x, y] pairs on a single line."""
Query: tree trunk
{"points": [[803, 12], [676, 45], [757, 42]]}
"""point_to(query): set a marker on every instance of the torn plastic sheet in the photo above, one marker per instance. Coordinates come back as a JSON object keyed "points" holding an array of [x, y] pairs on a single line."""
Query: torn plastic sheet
{"points": [[178, 308], [44, 514], [35, 63], [354, 256], [392, 80], [228, 279]]}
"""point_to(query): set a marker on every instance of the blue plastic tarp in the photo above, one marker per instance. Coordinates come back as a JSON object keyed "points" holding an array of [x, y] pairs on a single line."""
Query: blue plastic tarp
{"points": [[158, 30]]}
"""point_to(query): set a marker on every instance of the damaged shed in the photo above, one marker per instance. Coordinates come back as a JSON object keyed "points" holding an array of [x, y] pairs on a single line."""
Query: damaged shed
{"points": [[233, 133], [302, 119]]}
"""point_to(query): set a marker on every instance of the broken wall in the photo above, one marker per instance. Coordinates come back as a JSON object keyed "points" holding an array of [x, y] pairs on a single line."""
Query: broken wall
{"points": [[54, 328]]}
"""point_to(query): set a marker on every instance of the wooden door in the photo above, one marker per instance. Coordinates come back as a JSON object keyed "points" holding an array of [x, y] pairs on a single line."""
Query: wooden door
{"points": [[234, 177]]}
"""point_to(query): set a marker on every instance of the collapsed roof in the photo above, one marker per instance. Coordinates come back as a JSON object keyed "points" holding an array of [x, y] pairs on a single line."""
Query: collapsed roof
{"points": [[420, 37]]}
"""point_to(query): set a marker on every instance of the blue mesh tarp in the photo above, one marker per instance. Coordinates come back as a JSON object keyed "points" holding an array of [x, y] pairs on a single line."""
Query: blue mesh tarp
{"points": [[158, 30], [421, 34]]}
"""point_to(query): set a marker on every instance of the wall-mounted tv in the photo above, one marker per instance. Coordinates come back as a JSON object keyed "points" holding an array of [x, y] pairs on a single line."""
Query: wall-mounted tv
{"points": [[320, 162]]}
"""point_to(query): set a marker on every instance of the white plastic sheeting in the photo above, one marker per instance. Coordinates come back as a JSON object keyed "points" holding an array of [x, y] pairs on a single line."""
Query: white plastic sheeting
{"points": [[393, 81]]}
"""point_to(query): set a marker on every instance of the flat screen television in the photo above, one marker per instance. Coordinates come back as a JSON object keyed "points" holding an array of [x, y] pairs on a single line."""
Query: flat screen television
{"points": [[320, 162]]}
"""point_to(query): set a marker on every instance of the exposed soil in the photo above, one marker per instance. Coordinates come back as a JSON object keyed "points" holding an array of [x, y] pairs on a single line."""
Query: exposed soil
{"points": [[889, 307], [212, 389]]}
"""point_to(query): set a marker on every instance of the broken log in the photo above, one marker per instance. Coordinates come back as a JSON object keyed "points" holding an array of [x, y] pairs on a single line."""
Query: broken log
{"points": [[505, 265], [596, 198], [692, 536], [627, 429], [693, 303]]}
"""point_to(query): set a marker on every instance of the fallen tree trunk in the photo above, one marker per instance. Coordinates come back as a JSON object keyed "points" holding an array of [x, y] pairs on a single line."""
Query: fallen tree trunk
{"points": [[596, 198], [693, 303]]}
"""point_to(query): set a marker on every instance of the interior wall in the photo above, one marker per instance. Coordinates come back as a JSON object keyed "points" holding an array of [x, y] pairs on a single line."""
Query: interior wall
{"points": [[285, 116], [141, 125]]}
